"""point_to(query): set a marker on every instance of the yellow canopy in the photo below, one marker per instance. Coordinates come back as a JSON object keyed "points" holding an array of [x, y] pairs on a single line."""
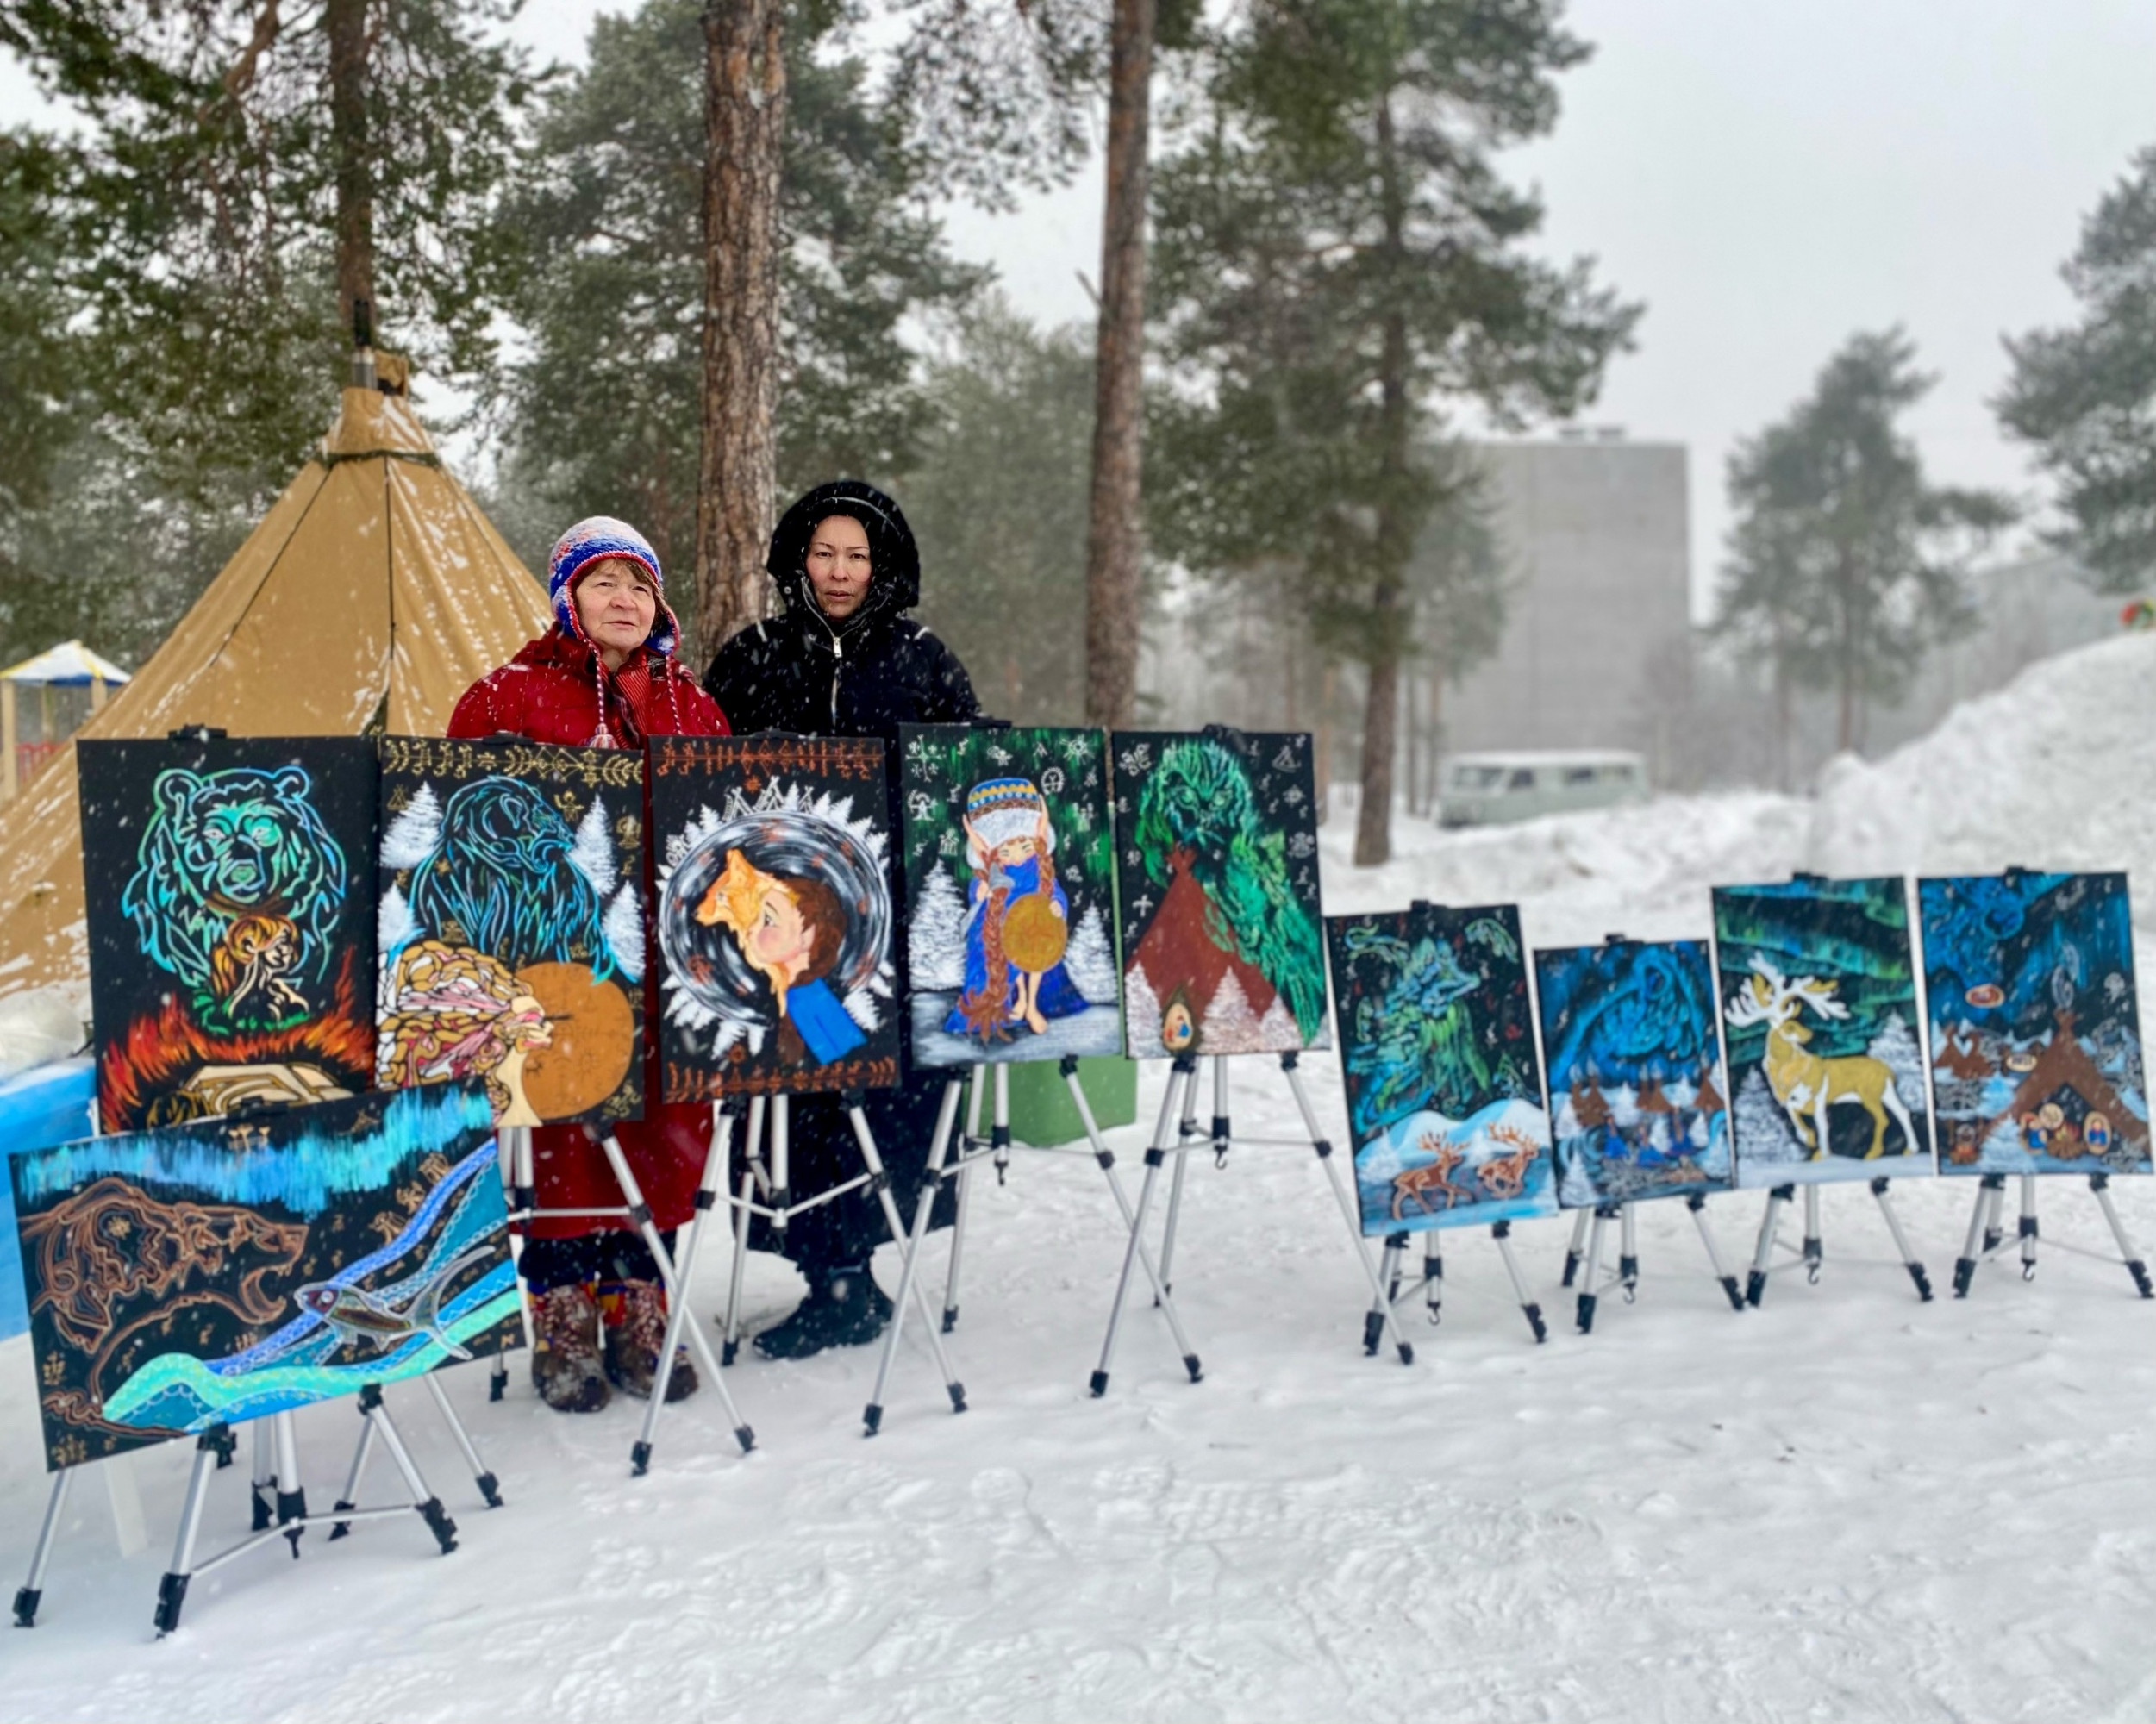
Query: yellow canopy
{"points": [[374, 586]]}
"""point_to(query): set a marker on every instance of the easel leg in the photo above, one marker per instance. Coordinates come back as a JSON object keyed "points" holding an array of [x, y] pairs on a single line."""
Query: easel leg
{"points": [[1105, 1159], [730, 1348], [962, 1202], [1815, 1242], [1590, 1285], [1501, 1232], [1574, 1251], [1698, 1204], [262, 1507], [1880, 1190], [291, 1505], [1763, 1257], [1373, 1322], [1186, 1129], [678, 1288], [2101, 1185], [678, 1315], [424, 1502], [1434, 1274], [349, 1499], [489, 1486], [2026, 1229], [498, 1377], [1350, 1210], [1628, 1252], [32, 1587], [1180, 1077], [909, 1248], [1994, 1210], [1973, 1247], [171, 1591]]}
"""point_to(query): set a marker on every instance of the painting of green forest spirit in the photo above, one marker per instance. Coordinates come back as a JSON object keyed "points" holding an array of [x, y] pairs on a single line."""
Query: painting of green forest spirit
{"points": [[1444, 1089], [1009, 857], [1216, 874], [1635, 1075], [2036, 1029], [225, 1270], [229, 886], [1818, 994]]}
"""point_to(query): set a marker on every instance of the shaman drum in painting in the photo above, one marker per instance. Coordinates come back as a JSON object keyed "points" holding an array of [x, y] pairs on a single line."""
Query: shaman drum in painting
{"points": [[229, 1269], [1216, 871], [775, 919], [2035, 1034], [1444, 1090], [512, 925], [1636, 1086], [231, 889], [1819, 1012], [1009, 874]]}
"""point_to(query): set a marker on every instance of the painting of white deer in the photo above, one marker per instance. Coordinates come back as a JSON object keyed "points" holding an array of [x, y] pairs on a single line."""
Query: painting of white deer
{"points": [[1818, 1004]]}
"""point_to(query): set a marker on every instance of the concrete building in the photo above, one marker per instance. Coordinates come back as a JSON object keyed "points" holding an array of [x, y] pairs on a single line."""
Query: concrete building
{"points": [[1595, 531]]}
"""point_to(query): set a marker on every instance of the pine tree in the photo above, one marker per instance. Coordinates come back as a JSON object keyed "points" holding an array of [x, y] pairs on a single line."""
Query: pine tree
{"points": [[1764, 1137], [413, 831], [593, 850], [1846, 565], [2085, 396], [1228, 1025], [624, 928], [1141, 1015], [1089, 961], [935, 934], [1338, 258]]}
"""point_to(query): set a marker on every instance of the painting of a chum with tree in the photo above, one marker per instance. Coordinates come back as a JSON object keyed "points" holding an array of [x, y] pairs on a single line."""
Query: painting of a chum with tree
{"points": [[1217, 874], [1635, 1070], [1818, 996], [2035, 1034], [1444, 1089], [1010, 859]]}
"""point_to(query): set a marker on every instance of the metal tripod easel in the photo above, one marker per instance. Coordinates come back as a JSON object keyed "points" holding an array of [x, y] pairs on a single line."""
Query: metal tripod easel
{"points": [[766, 1190], [1177, 1135], [988, 1085], [673, 1271], [1812, 1252], [1987, 1233], [1587, 1230]]}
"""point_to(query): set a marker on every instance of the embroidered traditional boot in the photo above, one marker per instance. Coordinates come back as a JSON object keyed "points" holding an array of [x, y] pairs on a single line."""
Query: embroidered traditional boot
{"points": [[845, 1307], [633, 1338], [565, 1365]]}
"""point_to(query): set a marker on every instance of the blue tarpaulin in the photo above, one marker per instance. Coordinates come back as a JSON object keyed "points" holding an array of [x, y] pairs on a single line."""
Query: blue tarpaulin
{"points": [[46, 1105]]}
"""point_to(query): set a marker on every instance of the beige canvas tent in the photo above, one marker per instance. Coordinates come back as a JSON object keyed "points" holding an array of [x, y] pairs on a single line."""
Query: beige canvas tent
{"points": [[374, 591]]}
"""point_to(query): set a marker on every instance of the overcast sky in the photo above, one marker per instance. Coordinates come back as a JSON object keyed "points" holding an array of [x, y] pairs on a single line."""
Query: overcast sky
{"points": [[1768, 176]]}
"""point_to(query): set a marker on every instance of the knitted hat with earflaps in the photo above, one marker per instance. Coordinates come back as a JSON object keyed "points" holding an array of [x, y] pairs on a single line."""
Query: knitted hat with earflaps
{"points": [[588, 541]]}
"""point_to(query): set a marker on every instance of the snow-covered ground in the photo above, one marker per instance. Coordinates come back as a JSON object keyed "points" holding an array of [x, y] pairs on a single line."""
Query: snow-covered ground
{"points": [[1842, 1505]]}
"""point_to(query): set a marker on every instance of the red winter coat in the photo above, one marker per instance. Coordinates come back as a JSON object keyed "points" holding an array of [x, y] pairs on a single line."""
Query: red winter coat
{"points": [[556, 691]]}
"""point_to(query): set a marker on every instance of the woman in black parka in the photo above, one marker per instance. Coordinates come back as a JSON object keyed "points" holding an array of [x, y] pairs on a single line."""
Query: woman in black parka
{"points": [[844, 659]]}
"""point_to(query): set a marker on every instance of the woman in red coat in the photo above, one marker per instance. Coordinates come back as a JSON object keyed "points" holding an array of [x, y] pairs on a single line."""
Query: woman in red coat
{"points": [[603, 676]]}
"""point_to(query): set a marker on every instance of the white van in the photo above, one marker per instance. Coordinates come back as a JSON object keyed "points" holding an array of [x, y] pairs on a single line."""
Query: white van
{"points": [[1493, 790]]}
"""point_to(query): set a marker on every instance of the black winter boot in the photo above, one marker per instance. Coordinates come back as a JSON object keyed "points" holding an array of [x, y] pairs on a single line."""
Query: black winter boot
{"points": [[845, 1307]]}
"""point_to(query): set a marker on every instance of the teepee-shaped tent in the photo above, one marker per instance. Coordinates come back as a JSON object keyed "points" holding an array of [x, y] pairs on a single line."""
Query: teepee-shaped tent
{"points": [[374, 591]]}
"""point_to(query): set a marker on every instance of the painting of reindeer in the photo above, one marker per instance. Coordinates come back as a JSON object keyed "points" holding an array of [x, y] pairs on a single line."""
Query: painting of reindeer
{"points": [[1815, 981], [1444, 1086]]}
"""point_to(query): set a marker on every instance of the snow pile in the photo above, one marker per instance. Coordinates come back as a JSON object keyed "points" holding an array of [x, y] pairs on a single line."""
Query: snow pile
{"points": [[2052, 771]]}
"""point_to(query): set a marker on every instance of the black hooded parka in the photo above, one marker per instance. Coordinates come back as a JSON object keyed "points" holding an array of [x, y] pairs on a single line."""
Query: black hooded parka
{"points": [[804, 673], [864, 675]]}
